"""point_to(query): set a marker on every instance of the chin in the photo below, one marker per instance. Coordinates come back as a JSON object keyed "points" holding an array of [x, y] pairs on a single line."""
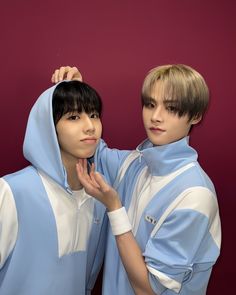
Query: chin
{"points": [[88, 154], [156, 141]]}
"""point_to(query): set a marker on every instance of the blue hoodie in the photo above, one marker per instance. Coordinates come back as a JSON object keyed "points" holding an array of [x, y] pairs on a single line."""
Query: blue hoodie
{"points": [[51, 238]]}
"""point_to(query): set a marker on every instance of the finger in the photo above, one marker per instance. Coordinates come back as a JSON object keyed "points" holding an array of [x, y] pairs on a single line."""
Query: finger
{"points": [[55, 76], [84, 179], [84, 171], [74, 74], [94, 182], [104, 187], [83, 166], [79, 167], [82, 174], [81, 161], [61, 73], [92, 167]]}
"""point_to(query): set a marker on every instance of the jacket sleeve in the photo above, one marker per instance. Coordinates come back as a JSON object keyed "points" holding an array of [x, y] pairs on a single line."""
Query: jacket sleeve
{"points": [[108, 161], [187, 242], [8, 221]]}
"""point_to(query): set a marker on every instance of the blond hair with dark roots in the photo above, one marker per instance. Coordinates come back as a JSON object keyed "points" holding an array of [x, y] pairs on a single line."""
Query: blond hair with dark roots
{"points": [[183, 86]]}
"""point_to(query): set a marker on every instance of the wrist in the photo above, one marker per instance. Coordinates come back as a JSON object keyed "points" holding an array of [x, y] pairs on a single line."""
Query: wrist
{"points": [[119, 221], [114, 206]]}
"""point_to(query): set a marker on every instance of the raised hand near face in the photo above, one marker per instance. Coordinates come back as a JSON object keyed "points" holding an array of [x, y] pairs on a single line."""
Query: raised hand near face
{"points": [[96, 186]]}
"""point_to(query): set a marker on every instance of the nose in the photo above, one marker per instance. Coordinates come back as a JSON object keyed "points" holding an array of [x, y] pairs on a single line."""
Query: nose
{"points": [[89, 127], [157, 114]]}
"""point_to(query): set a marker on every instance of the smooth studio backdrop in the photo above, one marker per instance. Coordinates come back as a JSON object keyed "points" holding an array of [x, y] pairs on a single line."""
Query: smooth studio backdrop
{"points": [[115, 43]]}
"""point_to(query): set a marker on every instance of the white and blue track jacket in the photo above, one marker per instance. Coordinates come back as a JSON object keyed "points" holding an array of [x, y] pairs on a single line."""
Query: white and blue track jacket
{"points": [[173, 209], [51, 238]]}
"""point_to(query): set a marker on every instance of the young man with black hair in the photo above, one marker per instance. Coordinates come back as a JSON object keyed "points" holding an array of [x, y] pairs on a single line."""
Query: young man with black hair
{"points": [[52, 233]]}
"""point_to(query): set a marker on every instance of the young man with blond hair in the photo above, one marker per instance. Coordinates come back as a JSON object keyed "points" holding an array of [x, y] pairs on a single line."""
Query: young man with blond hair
{"points": [[164, 235]]}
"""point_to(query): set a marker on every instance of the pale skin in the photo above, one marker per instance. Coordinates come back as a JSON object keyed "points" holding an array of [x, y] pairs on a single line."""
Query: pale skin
{"points": [[78, 135], [162, 126], [66, 73]]}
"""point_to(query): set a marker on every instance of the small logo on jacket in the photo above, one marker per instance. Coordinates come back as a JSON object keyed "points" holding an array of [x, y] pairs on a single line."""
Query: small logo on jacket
{"points": [[150, 219]]}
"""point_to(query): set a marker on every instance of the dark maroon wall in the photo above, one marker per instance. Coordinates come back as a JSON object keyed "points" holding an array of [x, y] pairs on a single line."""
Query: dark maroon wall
{"points": [[115, 43]]}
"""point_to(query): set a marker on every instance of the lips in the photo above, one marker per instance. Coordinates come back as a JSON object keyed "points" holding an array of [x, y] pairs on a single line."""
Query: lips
{"points": [[89, 140], [155, 129]]}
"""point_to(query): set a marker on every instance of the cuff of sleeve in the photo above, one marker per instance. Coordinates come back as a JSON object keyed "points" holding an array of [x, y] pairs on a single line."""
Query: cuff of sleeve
{"points": [[119, 221], [166, 281]]}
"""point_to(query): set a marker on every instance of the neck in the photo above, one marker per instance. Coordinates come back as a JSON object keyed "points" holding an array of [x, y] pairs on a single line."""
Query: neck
{"points": [[72, 180], [72, 177]]}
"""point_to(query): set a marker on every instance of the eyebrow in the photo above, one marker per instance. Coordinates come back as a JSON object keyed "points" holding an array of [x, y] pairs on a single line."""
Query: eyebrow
{"points": [[172, 101], [149, 99]]}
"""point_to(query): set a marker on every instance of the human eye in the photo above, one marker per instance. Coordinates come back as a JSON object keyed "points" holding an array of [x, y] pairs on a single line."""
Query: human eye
{"points": [[73, 117], [149, 104], [94, 115], [172, 109]]}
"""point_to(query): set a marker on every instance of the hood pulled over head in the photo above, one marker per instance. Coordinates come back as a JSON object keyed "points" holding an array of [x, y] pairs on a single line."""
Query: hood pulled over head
{"points": [[41, 146]]}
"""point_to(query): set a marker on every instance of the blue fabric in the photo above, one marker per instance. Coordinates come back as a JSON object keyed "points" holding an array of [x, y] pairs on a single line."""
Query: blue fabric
{"points": [[182, 249], [33, 267]]}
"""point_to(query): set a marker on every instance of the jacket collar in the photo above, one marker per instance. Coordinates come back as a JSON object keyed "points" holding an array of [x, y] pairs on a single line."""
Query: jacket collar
{"points": [[165, 159]]}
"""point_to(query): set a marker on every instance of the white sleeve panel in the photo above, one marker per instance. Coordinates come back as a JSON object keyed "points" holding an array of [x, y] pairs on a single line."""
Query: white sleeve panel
{"points": [[205, 202], [166, 281], [187, 236], [8, 221], [199, 199]]}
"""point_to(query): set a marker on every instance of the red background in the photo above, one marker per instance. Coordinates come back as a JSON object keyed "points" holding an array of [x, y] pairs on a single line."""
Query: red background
{"points": [[115, 43]]}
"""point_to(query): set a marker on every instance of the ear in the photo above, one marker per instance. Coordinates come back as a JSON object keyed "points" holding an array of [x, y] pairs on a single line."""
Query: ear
{"points": [[196, 120]]}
